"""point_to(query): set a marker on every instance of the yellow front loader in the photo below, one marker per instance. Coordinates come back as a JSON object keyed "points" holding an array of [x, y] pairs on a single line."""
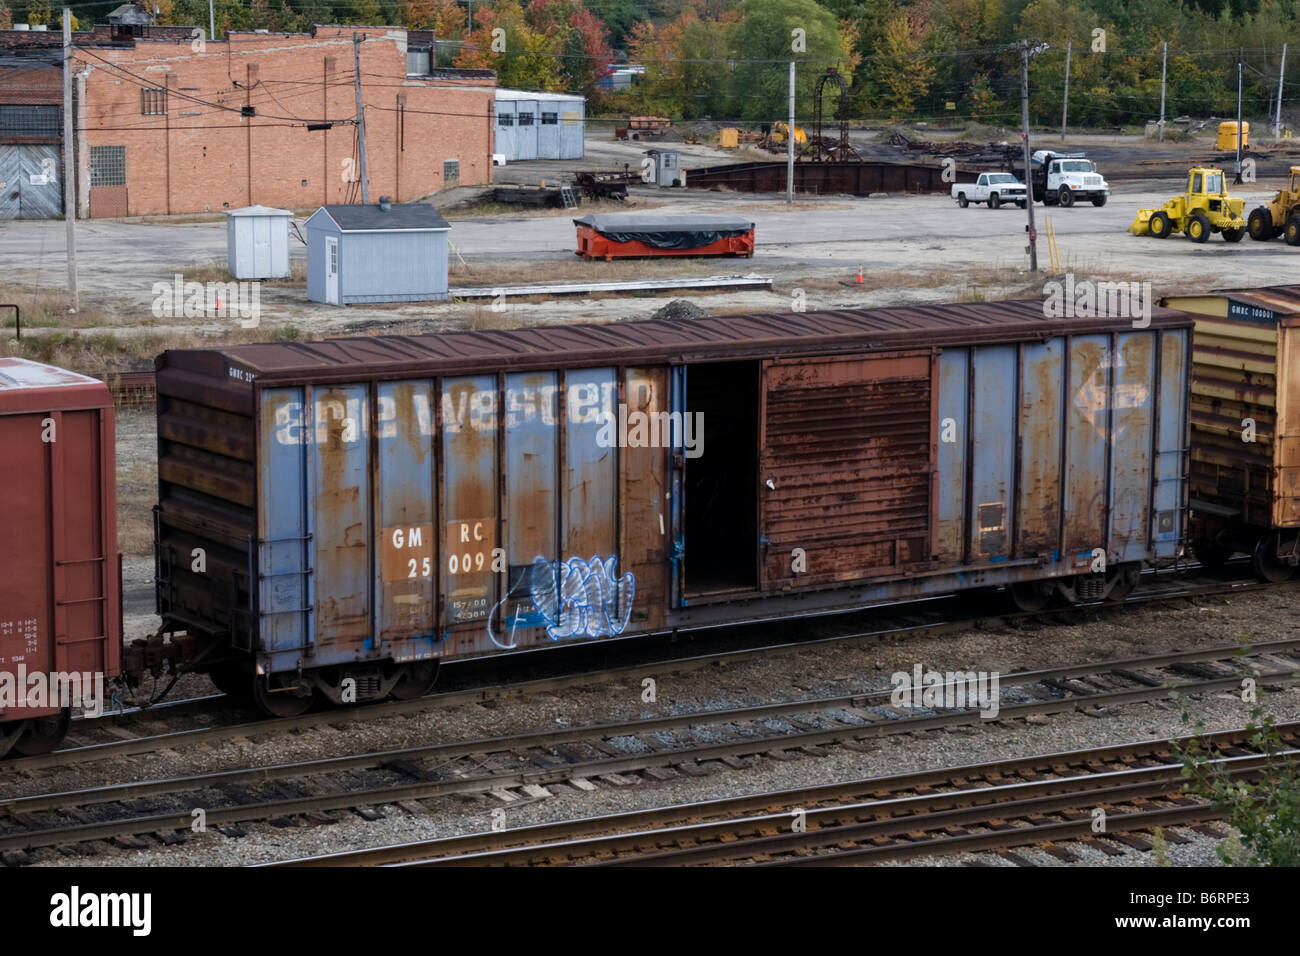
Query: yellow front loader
{"points": [[1206, 207]]}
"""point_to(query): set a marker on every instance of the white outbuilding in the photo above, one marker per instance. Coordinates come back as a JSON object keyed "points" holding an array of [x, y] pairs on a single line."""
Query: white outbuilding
{"points": [[257, 242]]}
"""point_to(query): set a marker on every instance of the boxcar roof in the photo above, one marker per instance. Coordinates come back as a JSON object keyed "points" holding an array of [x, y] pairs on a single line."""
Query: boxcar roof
{"points": [[718, 338]]}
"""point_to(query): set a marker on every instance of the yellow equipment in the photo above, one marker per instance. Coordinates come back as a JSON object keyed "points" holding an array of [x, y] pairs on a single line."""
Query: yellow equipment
{"points": [[1228, 135], [1280, 215], [728, 137], [1206, 207], [779, 132]]}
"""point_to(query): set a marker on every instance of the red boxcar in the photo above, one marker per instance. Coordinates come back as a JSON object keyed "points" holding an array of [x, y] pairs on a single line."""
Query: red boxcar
{"points": [[60, 599], [619, 237]]}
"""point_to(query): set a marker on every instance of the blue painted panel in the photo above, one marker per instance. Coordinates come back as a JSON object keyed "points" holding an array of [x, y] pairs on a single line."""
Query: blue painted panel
{"points": [[407, 537], [532, 520], [284, 590], [469, 454], [993, 463], [1131, 420], [954, 425], [1041, 404], [340, 521], [591, 479], [1088, 395]]}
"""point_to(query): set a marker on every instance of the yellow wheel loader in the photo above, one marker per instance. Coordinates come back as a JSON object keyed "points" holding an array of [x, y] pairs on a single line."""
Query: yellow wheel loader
{"points": [[1206, 207], [1280, 216]]}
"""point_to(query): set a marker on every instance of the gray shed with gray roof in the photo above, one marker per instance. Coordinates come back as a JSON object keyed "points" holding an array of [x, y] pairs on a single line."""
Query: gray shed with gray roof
{"points": [[388, 252]]}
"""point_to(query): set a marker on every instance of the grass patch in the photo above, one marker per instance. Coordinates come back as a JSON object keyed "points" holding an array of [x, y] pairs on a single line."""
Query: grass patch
{"points": [[137, 491], [47, 309]]}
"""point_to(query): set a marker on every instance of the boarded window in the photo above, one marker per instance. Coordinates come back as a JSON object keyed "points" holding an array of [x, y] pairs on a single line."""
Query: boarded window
{"points": [[153, 102], [550, 119], [108, 166], [29, 121], [525, 119], [505, 119], [450, 172]]}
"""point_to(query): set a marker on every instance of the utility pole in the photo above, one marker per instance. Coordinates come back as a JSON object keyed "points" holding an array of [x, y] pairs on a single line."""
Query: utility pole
{"points": [[1164, 57], [212, 22], [361, 121], [1065, 105], [69, 197], [1277, 119], [1236, 168], [1024, 135], [789, 144]]}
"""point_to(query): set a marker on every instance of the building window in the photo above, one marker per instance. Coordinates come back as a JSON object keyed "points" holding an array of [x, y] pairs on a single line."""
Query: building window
{"points": [[505, 119], [450, 172], [525, 119], [29, 121], [108, 166], [153, 102], [550, 119], [419, 61]]}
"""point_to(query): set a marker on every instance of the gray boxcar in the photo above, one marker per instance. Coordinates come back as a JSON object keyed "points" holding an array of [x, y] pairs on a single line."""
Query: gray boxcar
{"points": [[369, 506]]}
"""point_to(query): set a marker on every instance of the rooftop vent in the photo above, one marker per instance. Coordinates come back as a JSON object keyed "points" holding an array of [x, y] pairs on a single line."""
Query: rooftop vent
{"points": [[385, 203]]}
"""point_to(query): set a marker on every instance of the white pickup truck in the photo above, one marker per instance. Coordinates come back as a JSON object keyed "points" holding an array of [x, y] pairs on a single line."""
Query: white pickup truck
{"points": [[992, 188]]}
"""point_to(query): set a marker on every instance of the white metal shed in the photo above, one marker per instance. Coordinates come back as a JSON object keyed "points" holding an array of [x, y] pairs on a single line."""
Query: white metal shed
{"points": [[257, 242]]}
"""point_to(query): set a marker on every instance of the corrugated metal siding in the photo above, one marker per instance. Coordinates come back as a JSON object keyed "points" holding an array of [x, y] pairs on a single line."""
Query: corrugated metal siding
{"points": [[1063, 443], [1286, 454], [846, 443], [1234, 378], [58, 544]]}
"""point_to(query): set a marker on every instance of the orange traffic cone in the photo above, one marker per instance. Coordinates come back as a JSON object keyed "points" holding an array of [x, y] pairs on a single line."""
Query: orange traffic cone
{"points": [[859, 273]]}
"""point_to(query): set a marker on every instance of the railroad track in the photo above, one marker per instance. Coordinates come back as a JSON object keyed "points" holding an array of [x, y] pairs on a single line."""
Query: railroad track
{"points": [[934, 616], [656, 748], [1045, 799], [132, 388]]}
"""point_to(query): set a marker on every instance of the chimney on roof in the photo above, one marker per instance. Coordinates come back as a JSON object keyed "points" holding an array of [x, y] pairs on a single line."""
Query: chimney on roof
{"points": [[385, 203]]}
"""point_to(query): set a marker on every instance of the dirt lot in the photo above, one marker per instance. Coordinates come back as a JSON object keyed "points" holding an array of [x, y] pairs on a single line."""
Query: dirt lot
{"points": [[911, 249]]}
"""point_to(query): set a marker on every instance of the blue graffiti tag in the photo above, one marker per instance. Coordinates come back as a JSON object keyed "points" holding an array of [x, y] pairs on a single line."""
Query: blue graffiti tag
{"points": [[573, 598]]}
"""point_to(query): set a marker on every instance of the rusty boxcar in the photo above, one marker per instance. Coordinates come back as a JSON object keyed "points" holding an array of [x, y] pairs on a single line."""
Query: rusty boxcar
{"points": [[60, 597], [1245, 414], [336, 517]]}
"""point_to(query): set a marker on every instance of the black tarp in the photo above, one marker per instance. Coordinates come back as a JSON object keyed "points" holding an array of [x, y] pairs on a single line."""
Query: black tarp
{"points": [[667, 232]]}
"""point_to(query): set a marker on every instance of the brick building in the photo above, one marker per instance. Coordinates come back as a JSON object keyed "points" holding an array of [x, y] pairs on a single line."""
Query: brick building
{"points": [[167, 123]]}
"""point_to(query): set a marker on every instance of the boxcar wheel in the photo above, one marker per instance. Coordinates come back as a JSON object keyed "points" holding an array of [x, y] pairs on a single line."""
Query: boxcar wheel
{"points": [[1128, 580], [233, 679], [1029, 595], [1267, 565], [1212, 558], [43, 734], [278, 703], [416, 680]]}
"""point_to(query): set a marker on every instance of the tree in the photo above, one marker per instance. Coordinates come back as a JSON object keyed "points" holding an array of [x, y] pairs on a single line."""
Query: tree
{"points": [[908, 71], [524, 58], [760, 91]]}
